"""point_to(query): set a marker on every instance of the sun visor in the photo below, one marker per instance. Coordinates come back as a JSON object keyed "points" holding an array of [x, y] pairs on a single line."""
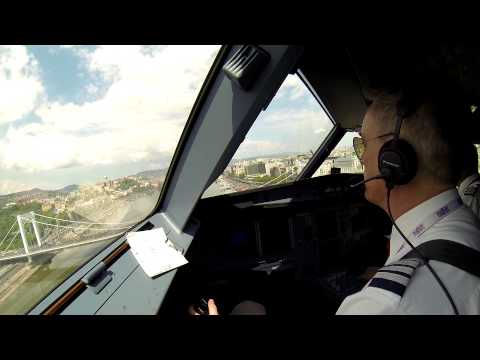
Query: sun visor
{"points": [[331, 75]]}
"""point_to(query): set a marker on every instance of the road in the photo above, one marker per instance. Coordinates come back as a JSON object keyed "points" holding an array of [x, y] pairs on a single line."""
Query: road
{"points": [[225, 185]]}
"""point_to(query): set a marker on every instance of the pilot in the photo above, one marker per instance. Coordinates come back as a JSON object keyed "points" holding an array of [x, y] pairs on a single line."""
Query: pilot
{"points": [[469, 185], [425, 208]]}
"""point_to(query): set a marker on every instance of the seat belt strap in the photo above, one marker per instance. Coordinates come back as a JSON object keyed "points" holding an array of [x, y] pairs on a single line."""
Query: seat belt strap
{"points": [[450, 252]]}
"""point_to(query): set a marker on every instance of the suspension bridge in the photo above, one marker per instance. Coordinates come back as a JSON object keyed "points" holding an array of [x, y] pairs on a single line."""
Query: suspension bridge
{"points": [[32, 234]]}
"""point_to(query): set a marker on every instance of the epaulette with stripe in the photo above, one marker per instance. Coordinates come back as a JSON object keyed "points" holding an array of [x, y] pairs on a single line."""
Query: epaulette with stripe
{"points": [[396, 276]]}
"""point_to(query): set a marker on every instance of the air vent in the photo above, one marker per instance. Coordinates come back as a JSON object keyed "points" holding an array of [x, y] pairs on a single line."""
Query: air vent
{"points": [[246, 65]]}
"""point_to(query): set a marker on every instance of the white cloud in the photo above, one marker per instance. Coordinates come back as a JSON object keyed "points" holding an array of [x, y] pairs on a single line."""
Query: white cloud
{"points": [[294, 119], [20, 85], [293, 88], [292, 129], [92, 89], [10, 186], [251, 148], [140, 117]]}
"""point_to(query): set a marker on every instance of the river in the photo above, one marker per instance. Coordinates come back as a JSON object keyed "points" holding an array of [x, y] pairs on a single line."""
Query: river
{"points": [[40, 279]]}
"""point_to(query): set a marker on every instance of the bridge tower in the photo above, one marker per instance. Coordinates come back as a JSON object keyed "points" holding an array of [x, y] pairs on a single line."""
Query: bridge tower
{"points": [[35, 229], [24, 238]]}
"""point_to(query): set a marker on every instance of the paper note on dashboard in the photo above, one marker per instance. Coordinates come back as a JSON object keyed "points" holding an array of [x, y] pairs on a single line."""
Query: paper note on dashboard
{"points": [[153, 251]]}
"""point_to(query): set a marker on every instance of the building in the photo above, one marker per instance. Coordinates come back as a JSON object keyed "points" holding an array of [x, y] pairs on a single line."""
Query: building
{"points": [[301, 163], [255, 169], [357, 165], [274, 171], [324, 169], [237, 170], [348, 164], [289, 161], [59, 209]]}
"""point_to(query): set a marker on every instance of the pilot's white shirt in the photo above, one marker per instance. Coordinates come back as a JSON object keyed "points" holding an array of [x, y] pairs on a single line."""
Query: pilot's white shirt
{"points": [[469, 190], [422, 294]]}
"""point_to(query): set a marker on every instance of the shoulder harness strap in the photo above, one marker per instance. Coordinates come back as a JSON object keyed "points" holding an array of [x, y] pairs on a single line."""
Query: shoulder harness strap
{"points": [[450, 252]]}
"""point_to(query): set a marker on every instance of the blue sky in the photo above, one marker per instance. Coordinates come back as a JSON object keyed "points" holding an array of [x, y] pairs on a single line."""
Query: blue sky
{"points": [[63, 76], [61, 72], [74, 114]]}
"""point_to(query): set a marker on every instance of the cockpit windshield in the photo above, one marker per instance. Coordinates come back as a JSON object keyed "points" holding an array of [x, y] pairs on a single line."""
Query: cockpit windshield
{"points": [[87, 134]]}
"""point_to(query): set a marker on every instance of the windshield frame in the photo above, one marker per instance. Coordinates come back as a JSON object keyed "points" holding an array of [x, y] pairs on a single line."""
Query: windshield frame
{"points": [[196, 108]]}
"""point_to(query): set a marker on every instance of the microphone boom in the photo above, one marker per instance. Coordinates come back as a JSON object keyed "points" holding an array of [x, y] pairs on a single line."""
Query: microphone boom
{"points": [[367, 180]]}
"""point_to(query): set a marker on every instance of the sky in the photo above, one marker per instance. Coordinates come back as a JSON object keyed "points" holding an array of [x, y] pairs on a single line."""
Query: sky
{"points": [[75, 114], [294, 121]]}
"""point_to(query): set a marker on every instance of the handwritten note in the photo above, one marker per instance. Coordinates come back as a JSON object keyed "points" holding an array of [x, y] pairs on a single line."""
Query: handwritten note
{"points": [[153, 251]]}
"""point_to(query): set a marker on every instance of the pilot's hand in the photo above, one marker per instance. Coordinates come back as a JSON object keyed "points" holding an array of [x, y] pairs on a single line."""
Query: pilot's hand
{"points": [[212, 309]]}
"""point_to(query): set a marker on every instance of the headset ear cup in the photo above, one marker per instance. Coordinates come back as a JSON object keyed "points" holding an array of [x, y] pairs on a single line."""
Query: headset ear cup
{"points": [[384, 170], [397, 161]]}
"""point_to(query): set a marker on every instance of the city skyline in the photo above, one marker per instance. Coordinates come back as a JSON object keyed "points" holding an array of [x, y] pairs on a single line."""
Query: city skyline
{"points": [[99, 178]]}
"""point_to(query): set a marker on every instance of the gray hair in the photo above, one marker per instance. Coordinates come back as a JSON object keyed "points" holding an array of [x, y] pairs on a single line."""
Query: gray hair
{"points": [[432, 129]]}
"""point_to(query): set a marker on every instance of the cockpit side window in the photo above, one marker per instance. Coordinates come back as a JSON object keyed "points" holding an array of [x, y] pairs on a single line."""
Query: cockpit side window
{"points": [[342, 159], [280, 143]]}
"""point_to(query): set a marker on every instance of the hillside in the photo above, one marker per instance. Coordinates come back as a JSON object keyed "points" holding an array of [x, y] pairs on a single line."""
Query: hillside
{"points": [[150, 174], [35, 193]]}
